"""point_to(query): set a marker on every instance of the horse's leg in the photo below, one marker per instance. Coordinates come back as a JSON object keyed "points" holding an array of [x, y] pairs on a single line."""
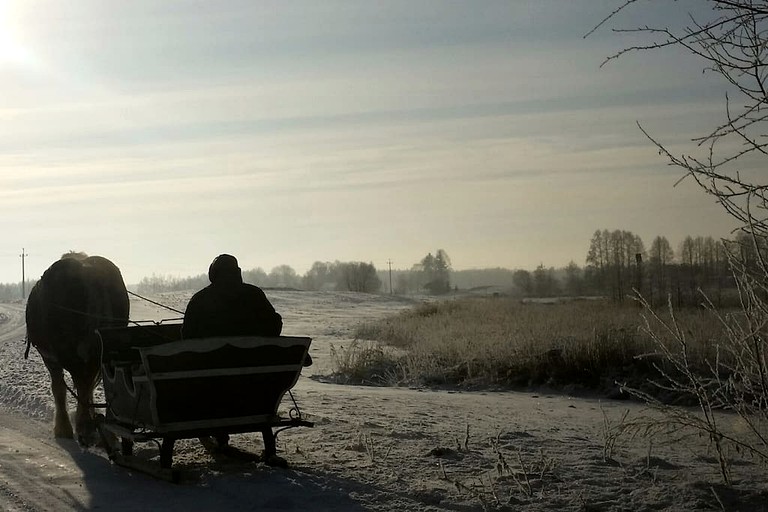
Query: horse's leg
{"points": [[84, 418], [61, 425]]}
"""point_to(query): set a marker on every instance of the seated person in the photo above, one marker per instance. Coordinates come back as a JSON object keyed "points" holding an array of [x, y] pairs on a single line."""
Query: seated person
{"points": [[229, 307]]}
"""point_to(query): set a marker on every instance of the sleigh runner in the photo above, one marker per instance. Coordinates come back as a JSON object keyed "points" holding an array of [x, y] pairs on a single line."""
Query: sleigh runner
{"points": [[160, 387]]}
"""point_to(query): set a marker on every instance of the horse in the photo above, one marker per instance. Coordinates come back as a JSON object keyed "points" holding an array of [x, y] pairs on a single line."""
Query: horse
{"points": [[75, 296]]}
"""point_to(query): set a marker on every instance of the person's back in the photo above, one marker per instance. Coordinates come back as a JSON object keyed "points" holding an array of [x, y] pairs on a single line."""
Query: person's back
{"points": [[229, 307]]}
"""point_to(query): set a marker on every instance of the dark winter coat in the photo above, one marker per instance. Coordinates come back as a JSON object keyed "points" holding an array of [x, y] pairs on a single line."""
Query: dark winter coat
{"points": [[230, 309]]}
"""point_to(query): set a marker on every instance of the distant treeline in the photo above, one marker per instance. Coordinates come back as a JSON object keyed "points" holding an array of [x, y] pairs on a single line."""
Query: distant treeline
{"points": [[363, 277], [490, 280], [616, 263], [13, 291], [347, 276], [431, 275]]}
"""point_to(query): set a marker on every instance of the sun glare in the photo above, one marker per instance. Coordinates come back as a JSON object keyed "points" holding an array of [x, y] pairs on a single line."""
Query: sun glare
{"points": [[11, 50], [12, 53]]}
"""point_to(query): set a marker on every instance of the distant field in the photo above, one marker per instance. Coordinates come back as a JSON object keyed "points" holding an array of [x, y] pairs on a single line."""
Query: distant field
{"points": [[503, 343]]}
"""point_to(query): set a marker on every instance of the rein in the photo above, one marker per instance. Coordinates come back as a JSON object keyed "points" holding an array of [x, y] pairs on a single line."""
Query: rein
{"points": [[155, 303]]}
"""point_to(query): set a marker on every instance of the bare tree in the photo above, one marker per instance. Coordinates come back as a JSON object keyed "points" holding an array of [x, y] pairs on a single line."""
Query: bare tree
{"points": [[731, 40], [730, 37], [597, 259], [358, 276], [661, 258], [524, 282], [610, 261], [284, 276], [574, 280], [318, 276], [544, 282]]}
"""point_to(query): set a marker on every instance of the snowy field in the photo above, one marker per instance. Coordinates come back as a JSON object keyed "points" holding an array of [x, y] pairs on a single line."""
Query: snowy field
{"points": [[377, 449]]}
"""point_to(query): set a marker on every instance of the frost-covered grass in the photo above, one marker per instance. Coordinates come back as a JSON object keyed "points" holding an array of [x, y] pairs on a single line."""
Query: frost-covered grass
{"points": [[499, 342]]}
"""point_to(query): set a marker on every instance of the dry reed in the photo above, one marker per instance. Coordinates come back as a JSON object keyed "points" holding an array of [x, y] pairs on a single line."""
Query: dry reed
{"points": [[500, 342]]}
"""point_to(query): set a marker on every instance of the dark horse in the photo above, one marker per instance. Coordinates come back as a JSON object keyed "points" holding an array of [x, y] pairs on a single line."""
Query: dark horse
{"points": [[76, 295]]}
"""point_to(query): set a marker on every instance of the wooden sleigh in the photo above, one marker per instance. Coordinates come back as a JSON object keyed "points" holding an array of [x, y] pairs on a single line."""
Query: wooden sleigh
{"points": [[159, 387]]}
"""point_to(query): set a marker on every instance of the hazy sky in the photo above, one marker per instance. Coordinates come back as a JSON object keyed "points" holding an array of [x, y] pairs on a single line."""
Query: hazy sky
{"points": [[160, 134]]}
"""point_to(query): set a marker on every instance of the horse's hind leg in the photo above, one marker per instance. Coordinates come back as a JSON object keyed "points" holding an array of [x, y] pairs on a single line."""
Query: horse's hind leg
{"points": [[61, 425]]}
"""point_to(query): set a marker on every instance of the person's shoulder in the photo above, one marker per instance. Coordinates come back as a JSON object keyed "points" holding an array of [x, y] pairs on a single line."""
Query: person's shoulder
{"points": [[251, 288], [253, 292], [201, 293]]}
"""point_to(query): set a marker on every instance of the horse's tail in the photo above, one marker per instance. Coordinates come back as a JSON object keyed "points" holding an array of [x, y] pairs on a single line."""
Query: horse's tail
{"points": [[31, 316]]}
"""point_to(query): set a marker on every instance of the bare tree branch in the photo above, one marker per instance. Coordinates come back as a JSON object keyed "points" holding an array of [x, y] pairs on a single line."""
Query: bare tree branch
{"points": [[730, 37]]}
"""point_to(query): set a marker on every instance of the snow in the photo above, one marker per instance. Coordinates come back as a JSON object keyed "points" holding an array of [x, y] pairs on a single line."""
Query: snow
{"points": [[379, 449]]}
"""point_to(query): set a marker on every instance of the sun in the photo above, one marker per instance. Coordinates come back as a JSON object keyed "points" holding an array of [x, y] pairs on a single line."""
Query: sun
{"points": [[12, 53], [11, 50]]}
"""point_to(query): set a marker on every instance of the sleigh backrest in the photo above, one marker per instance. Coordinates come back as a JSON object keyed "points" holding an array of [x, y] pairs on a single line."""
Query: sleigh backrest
{"points": [[202, 383]]}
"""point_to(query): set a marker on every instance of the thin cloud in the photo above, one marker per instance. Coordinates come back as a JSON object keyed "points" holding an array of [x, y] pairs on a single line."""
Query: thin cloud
{"points": [[165, 131]]}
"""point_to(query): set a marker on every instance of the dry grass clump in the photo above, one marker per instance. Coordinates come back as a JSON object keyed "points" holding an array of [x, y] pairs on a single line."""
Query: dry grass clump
{"points": [[366, 363], [500, 342]]}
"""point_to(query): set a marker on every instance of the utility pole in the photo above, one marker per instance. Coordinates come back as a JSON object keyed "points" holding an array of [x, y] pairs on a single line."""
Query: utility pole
{"points": [[389, 262], [23, 255], [639, 281]]}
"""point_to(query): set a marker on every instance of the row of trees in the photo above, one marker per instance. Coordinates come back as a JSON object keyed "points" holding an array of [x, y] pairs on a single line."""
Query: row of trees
{"points": [[542, 282], [343, 276], [617, 263], [432, 274], [13, 291], [352, 276]]}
